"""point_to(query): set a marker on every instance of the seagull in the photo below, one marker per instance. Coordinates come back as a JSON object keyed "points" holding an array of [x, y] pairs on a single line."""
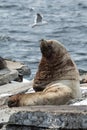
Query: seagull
{"points": [[39, 20]]}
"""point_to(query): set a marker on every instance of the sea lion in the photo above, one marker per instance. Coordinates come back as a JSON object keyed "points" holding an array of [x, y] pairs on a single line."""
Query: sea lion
{"points": [[56, 80]]}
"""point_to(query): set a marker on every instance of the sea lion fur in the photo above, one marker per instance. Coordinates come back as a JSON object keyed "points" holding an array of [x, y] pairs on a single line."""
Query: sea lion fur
{"points": [[56, 81]]}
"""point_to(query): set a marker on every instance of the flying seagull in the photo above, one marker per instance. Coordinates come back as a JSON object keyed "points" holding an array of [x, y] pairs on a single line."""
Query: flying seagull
{"points": [[39, 20]]}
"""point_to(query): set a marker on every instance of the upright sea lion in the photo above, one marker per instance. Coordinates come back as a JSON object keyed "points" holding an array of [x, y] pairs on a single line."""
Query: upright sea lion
{"points": [[56, 81]]}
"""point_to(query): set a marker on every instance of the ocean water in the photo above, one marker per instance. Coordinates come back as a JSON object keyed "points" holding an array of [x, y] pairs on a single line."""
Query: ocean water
{"points": [[67, 22]]}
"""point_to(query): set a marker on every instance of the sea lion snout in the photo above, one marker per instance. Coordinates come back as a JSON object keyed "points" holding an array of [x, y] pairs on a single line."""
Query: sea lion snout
{"points": [[46, 48]]}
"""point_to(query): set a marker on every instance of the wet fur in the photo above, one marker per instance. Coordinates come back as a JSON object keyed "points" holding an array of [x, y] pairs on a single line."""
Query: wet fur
{"points": [[56, 81]]}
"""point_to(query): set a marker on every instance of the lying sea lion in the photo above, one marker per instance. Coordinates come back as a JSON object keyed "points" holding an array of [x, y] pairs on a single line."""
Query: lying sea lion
{"points": [[56, 81]]}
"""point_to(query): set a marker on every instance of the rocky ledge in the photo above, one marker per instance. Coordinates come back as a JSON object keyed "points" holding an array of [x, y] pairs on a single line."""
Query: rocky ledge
{"points": [[71, 116], [7, 75], [12, 70], [45, 117], [20, 67]]}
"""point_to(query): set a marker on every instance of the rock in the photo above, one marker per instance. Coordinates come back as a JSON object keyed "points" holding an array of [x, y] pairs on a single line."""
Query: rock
{"points": [[12, 70], [83, 99], [19, 78], [1, 125], [20, 67], [2, 63], [7, 76], [16, 127], [14, 88], [52, 117], [83, 78], [82, 102]]}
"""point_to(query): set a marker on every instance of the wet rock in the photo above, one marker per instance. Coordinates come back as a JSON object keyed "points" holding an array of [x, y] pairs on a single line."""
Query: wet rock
{"points": [[5, 72], [12, 70], [20, 67], [7, 75]]}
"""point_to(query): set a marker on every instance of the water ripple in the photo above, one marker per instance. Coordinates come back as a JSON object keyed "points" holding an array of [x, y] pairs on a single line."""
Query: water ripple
{"points": [[67, 22], [8, 6], [6, 38]]}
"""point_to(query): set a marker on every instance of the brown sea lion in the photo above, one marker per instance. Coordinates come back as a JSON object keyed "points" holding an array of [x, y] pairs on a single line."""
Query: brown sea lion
{"points": [[56, 81]]}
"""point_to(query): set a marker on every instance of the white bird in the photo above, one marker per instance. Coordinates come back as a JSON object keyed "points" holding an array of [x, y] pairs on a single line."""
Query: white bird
{"points": [[39, 20]]}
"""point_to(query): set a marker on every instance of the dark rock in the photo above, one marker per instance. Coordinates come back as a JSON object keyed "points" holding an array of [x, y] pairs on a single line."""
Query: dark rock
{"points": [[19, 78], [2, 63], [17, 127], [83, 79], [1, 125], [12, 70], [7, 76]]}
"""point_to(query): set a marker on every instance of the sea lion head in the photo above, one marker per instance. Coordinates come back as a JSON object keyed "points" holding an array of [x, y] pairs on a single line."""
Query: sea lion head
{"points": [[56, 64], [51, 49]]}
